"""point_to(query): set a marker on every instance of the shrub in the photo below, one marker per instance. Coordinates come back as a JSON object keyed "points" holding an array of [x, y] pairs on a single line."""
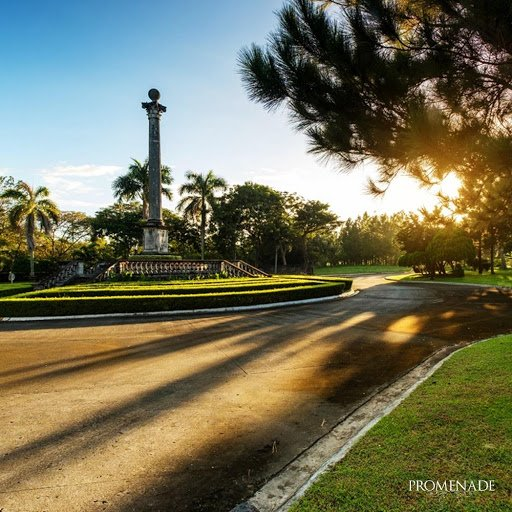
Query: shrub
{"points": [[19, 307], [458, 271], [195, 289]]}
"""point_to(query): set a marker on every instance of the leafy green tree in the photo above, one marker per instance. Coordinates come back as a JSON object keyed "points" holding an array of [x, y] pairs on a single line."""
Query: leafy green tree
{"points": [[121, 224], [135, 184], [312, 218], [30, 208], [485, 205], [251, 223], [370, 239], [324, 249], [69, 234], [11, 239], [184, 237], [433, 240], [199, 197], [96, 251], [449, 247]]}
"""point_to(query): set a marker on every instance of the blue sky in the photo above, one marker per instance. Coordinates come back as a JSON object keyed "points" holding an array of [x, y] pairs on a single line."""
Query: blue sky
{"points": [[75, 72]]}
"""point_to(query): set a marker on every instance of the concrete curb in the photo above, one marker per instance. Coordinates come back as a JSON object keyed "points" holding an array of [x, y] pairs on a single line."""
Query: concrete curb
{"points": [[279, 493], [236, 309]]}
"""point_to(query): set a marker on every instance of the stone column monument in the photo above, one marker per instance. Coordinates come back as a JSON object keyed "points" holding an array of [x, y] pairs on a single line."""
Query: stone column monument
{"points": [[155, 234]]}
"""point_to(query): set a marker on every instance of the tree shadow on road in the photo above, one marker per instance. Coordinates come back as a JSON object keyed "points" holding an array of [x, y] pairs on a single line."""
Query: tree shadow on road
{"points": [[328, 358]]}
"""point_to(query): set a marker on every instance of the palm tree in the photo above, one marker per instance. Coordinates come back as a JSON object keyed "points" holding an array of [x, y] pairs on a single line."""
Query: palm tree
{"points": [[200, 190], [135, 184], [30, 207]]}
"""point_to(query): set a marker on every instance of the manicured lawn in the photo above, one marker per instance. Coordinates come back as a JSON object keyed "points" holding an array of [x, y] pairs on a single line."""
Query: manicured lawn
{"points": [[357, 269], [501, 278], [455, 426], [7, 289]]}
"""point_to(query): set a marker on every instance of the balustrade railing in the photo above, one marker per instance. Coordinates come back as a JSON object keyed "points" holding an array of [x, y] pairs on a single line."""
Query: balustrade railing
{"points": [[180, 268], [249, 268], [171, 268]]}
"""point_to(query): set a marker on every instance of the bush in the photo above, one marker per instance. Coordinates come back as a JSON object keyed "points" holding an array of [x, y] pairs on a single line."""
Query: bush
{"points": [[192, 289], [325, 279], [26, 307], [458, 271], [486, 264]]}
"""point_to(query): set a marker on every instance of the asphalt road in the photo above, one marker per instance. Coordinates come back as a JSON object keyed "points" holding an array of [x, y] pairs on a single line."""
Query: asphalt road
{"points": [[194, 414]]}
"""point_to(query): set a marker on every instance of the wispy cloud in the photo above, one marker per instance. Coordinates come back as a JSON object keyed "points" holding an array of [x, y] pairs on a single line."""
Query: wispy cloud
{"points": [[80, 187], [63, 186], [79, 205], [85, 171]]}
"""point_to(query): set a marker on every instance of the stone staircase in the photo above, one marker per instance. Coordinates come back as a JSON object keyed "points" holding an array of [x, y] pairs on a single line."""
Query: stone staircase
{"points": [[72, 272]]}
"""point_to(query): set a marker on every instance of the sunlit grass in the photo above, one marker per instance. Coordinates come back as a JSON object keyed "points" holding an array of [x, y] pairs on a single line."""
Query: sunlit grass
{"points": [[357, 269], [500, 278], [7, 289], [456, 426]]}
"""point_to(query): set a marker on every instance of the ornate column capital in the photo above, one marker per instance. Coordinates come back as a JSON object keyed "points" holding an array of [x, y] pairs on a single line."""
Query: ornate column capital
{"points": [[153, 109]]}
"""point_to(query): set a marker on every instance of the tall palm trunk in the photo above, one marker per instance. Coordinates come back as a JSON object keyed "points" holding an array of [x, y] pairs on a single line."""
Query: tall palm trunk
{"points": [[31, 243], [203, 227]]}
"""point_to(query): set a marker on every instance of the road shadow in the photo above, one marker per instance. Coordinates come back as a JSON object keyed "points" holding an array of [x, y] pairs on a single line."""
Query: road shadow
{"points": [[370, 340]]}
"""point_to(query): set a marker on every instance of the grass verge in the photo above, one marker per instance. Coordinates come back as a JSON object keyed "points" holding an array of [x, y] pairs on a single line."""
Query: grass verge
{"points": [[501, 278], [357, 269], [456, 426]]}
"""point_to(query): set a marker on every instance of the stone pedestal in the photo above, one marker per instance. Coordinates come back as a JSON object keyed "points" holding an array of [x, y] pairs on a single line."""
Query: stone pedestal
{"points": [[155, 240]]}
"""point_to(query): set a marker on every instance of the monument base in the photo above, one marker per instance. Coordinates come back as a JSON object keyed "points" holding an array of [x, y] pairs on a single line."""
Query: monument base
{"points": [[155, 241]]}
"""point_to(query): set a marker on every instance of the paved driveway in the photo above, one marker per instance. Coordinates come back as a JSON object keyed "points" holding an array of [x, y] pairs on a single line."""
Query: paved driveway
{"points": [[194, 414]]}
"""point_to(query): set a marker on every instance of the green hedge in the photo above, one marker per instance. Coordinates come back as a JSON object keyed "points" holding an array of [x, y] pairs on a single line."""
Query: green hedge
{"points": [[26, 307], [160, 290], [322, 279], [110, 285]]}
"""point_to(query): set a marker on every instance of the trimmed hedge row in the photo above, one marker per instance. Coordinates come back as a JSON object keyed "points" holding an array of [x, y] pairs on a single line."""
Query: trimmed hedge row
{"points": [[160, 290], [322, 279], [169, 284], [174, 282], [27, 307]]}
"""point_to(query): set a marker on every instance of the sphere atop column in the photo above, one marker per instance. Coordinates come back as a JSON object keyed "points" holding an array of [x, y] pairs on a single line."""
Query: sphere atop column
{"points": [[154, 94]]}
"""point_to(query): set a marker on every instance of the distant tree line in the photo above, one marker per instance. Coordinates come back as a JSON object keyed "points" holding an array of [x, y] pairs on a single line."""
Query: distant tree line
{"points": [[274, 230], [250, 221]]}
